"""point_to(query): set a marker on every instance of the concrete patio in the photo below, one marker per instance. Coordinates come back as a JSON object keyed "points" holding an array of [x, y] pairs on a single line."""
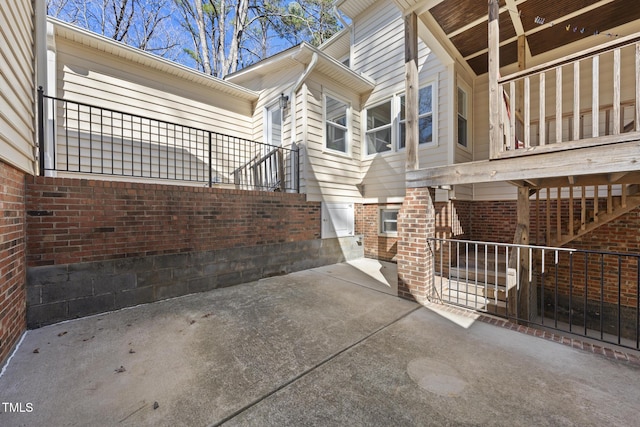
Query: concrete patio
{"points": [[326, 346]]}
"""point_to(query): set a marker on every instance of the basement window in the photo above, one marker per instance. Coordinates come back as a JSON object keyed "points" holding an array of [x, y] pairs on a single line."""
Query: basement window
{"points": [[389, 221]]}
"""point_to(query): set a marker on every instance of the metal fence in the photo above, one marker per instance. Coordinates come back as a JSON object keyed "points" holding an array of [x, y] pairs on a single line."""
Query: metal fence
{"points": [[84, 138], [592, 294]]}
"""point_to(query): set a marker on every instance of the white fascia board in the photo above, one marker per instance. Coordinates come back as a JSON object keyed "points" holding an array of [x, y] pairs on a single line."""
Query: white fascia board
{"points": [[303, 54]]}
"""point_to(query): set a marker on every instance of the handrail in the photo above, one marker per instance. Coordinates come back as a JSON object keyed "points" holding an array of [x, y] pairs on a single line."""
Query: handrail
{"points": [[581, 292], [96, 140], [597, 50]]}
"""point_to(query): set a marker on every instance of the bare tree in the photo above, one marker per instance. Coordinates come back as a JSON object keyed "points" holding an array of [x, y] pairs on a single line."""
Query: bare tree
{"points": [[313, 21], [145, 24], [217, 36]]}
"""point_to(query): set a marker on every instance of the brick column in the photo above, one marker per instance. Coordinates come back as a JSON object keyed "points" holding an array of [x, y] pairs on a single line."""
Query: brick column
{"points": [[416, 223]]}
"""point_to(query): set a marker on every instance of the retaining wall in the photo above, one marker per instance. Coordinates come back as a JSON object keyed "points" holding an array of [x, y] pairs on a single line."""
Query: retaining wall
{"points": [[95, 246]]}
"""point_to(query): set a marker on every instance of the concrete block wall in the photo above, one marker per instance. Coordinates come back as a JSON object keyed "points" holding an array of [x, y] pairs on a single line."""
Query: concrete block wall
{"points": [[60, 292], [12, 258], [95, 246]]}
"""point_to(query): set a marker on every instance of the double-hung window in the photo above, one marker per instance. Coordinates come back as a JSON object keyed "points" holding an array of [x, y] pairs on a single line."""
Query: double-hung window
{"points": [[425, 117], [463, 122], [378, 133], [336, 115]]}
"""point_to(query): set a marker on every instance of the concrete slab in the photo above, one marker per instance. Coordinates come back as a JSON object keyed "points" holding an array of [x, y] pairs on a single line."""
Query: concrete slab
{"points": [[201, 357], [433, 367], [309, 348], [381, 276]]}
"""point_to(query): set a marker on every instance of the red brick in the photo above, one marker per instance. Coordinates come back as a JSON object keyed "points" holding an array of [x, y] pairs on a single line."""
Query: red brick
{"points": [[12, 258]]}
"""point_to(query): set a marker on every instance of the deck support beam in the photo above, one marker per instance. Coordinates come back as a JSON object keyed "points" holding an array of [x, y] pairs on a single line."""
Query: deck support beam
{"points": [[412, 85], [518, 297], [495, 98]]}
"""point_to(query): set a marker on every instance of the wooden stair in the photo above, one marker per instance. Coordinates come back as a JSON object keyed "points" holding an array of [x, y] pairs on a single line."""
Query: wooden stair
{"points": [[584, 220]]}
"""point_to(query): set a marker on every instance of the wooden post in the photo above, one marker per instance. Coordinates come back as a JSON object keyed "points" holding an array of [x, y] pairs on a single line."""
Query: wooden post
{"points": [[522, 65], [412, 90], [520, 297], [495, 97]]}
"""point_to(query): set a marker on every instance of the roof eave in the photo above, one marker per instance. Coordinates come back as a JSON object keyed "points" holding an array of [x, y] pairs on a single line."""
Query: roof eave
{"points": [[88, 38]]}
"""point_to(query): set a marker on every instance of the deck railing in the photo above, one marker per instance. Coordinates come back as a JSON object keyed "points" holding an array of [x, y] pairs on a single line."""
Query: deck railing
{"points": [[593, 294], [588, 98], [87, 139]]}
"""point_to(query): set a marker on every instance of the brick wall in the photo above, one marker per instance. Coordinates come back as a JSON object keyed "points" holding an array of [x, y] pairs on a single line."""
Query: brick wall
{"points": [[72, 220], [12, 258], [376, 246], [495, 221], [96, 246], [452, 220], [621, 235]]}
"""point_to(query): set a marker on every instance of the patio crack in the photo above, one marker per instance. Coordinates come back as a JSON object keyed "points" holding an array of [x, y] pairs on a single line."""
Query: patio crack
{"points": [[311, 369]]}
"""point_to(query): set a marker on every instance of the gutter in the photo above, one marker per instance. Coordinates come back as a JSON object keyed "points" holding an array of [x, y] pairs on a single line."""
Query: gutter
{"points": [[307, 71]]}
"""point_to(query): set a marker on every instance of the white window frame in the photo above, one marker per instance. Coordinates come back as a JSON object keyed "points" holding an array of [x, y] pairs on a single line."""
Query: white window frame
{"points": [[381, 221], [347, 128], [462, 86], [391, 125], [433, 113]]}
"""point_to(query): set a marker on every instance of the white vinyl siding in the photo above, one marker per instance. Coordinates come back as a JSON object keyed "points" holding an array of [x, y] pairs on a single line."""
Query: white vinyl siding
{"points": [[378, 52], [328, 175], [17, 127], [95, 77], [271, 86]]}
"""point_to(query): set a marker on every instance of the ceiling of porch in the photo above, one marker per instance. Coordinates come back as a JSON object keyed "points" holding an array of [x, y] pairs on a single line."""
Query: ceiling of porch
{"points": [[548, 26]]}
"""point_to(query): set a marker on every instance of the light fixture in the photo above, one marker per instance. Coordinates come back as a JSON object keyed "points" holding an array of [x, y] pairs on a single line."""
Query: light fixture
{"points": [[283, 101]]}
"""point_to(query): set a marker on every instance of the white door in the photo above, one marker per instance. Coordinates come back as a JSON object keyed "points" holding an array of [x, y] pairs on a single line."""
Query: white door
{"points": [[274, 125], [271, 167]]}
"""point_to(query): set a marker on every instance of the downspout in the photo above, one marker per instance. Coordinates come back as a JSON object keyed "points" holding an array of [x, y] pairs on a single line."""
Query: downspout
{"points": [[292, 97], [338, 16], [40, 76]]}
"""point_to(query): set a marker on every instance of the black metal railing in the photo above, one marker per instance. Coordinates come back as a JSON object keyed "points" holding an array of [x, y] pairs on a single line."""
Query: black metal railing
{"points": [[83, 138], [593, 294]]}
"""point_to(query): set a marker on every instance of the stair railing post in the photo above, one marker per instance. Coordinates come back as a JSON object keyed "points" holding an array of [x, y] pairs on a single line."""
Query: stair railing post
{"points": [[41, 150], [210, 162]]}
